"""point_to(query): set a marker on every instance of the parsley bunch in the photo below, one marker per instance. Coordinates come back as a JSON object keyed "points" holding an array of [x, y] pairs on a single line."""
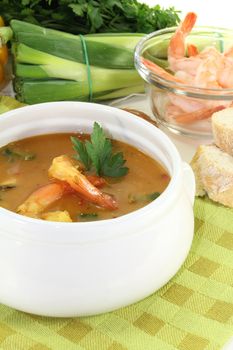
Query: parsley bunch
{"points": [[98, 154], [91, 16]]}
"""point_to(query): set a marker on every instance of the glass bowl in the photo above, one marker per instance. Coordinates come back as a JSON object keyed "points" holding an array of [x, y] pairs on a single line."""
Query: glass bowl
{"points": [[164, 94]]}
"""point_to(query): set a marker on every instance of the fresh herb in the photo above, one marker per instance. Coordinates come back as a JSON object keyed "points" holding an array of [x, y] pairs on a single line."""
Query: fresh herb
{"points": [[6, 187], [12, 155], [88, 216], [81, 150], [98, 154], [91, 16], [143, 198]]}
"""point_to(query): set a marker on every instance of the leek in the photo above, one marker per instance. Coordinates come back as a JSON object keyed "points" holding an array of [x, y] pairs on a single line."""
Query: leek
{"points": [[36, 91], [50, 65]]}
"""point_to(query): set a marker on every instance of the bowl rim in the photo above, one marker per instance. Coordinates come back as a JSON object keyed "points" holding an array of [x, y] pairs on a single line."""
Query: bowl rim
{"points": [[176, 87], [157, 206]]}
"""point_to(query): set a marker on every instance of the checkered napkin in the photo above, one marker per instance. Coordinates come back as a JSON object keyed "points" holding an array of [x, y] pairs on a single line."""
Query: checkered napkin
{"points": [[194, 311]]}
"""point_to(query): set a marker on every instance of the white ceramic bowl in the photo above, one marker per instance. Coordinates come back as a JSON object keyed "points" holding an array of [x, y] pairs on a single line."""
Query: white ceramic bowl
{"points": [[75, 269]]}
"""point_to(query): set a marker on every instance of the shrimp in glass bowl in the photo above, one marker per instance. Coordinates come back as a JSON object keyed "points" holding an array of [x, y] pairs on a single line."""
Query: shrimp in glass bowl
{"points": [[189, 75]]}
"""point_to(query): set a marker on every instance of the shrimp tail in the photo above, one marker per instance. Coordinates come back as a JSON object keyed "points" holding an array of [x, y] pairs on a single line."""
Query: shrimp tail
{"points": [[62, 169], [188, 23], [176, 47], [192, 50], [94, 196]]}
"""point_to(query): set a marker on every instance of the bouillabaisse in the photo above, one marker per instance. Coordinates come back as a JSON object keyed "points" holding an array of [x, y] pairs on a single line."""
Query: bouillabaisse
{"points": [[42, 178]]}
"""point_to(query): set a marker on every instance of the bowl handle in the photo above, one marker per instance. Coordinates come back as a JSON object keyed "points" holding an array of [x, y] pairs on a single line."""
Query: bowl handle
{"points": [[189, 181]]}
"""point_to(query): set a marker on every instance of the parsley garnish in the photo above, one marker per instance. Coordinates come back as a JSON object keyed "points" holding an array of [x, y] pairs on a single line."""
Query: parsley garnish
{"points": [[91, 16], [81, 150], [97, 154]]}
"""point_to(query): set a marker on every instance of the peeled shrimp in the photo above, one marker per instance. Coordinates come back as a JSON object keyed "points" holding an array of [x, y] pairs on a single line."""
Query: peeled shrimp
{"points": [[185, 77], [201, 114], [160, 71], [40, 199], [186, 104], [226, 76], [176, 49], [229, 53], [63, 169], [208, 69]]}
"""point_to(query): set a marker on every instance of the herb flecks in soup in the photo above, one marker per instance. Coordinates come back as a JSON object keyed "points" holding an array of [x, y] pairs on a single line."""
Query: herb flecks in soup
{"points": [[55, 186]]}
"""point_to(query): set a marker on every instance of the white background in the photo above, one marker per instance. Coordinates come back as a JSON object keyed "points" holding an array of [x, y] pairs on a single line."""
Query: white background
{"points": [[210, 12]]}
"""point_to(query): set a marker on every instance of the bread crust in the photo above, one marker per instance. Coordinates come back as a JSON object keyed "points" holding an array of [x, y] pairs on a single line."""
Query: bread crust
{"points": [[212, 176], [222, 132]]}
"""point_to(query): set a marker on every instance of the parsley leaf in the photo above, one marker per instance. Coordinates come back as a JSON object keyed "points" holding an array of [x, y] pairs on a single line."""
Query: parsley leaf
{"points": [[113, 165], [97, 153], [82, 154], [91, 16], [99, 149]]}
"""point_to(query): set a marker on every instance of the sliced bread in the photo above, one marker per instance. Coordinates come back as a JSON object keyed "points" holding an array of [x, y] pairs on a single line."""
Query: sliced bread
{"points": [[213, 170], [222, 126]]}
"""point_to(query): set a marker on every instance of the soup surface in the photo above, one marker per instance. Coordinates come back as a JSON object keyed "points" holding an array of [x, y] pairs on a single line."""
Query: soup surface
{"points": [[24, 169]]}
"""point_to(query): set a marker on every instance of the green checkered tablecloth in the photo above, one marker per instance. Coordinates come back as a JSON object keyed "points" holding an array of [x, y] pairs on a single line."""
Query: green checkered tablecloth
{"points": [[194, 311]]}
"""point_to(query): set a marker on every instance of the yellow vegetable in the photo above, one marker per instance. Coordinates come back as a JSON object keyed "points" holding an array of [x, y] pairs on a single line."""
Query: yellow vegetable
{"points": [[1, 22], [3, 54]]}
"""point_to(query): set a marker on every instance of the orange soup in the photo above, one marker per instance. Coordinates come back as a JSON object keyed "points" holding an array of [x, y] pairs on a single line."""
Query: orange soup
{"points": [[41, 178]]}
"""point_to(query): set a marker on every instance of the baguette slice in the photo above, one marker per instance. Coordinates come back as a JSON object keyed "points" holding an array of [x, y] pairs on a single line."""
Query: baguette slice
{"points": [[222, 126], [213, 170]]}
